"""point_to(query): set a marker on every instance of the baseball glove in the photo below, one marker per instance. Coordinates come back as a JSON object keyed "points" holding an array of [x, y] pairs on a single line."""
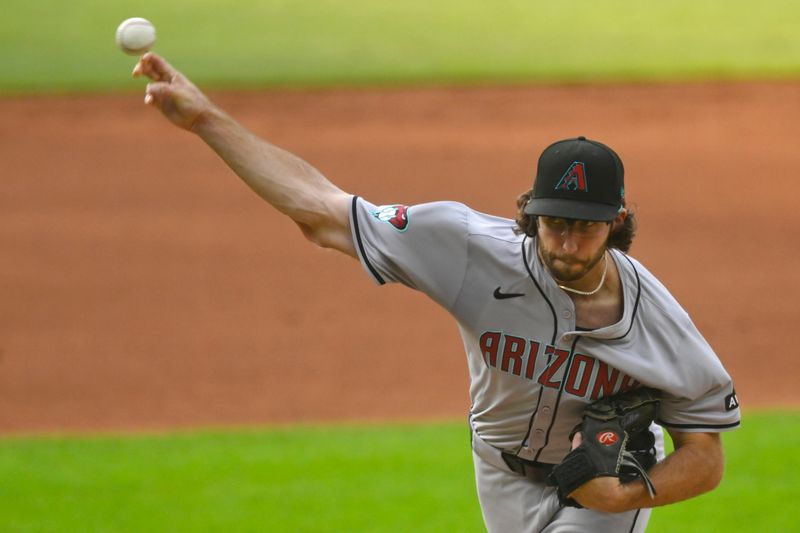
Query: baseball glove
{"points": [[616, 442]]}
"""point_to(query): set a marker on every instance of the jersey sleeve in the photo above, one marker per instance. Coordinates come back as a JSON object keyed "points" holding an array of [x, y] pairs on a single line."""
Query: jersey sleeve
{"points": [[421, 246], [703, 398]]}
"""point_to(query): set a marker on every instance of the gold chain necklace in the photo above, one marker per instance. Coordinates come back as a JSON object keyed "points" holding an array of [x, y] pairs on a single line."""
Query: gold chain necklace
{"points": [[602, 280]]}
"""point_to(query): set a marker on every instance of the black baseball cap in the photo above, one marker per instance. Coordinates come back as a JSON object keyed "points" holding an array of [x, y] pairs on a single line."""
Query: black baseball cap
{"points": [[578, 178]]}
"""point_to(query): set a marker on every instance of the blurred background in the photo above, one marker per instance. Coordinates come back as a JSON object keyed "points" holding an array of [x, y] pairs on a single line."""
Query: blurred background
{"points": [[143, 290]]}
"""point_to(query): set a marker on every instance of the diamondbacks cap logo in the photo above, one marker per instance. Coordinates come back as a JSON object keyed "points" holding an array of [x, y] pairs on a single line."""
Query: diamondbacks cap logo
{"points": [[607, 438], [396, 215], [574, 179]]}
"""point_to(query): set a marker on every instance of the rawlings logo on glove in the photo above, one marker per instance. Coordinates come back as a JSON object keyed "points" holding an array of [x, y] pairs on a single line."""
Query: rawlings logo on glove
{"points": [[616, 442], [607, 438]]}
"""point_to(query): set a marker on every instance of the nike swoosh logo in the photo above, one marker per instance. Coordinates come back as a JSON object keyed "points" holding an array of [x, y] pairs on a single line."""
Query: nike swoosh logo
{"points": [[506, 295]]}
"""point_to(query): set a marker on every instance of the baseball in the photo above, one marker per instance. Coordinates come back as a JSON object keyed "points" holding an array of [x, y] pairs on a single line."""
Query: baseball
{"points": [[136, 36]]}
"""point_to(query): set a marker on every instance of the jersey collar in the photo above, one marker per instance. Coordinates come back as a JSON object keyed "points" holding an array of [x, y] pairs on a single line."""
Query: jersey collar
{"points": [[563, 307]]}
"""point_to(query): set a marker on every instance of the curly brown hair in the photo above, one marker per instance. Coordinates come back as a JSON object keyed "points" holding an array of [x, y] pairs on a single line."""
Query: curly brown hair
{"points": [[621, 238]]}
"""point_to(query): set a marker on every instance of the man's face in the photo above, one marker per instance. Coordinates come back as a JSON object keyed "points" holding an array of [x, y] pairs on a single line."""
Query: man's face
{"points": [[571, 248]]}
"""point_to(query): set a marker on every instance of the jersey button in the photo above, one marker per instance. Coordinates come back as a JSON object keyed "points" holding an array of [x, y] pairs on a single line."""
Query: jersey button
{"points": [[567, 314], [538, 432], [545, 410]]}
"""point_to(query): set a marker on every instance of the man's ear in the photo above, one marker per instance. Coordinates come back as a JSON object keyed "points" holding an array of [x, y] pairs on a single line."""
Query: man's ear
{"points": [[620, 219]]}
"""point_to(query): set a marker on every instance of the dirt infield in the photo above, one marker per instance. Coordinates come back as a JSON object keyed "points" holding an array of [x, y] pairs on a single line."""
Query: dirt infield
{"points": [[142, 286]]}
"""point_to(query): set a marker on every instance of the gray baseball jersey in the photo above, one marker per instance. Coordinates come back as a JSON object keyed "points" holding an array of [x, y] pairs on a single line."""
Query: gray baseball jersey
{"points": [[531, 370]]}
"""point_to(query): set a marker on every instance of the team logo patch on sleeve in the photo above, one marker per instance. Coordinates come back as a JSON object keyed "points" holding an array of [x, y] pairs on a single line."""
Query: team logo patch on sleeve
{"points": [[396, 215], [731, 401]]}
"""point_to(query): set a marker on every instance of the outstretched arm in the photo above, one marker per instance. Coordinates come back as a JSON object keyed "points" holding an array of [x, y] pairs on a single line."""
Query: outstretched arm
{"points": [[695, 467], [288, 183]]}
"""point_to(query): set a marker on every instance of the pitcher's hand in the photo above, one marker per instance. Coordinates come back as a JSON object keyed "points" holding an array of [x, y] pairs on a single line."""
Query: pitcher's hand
{"points": [[171, 92]]}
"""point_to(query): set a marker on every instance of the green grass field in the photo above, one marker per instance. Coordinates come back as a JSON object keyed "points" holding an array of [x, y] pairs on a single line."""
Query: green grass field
{"points": [[54, 46], [334, 478]]}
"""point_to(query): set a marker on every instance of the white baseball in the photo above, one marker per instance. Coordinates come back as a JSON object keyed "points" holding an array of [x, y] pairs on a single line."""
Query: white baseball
{"points": [[136, 36]]}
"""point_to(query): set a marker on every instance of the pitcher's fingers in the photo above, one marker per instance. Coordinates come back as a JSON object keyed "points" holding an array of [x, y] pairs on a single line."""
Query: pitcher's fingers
{"points": [[143, 68], [146, 67], [163, 71], [156, 92], [154, 67], [137, 69]]}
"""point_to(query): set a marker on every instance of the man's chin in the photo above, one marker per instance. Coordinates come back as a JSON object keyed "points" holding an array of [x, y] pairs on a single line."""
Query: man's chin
{"points": [[566, 271], [565, 278], [568, 274]]}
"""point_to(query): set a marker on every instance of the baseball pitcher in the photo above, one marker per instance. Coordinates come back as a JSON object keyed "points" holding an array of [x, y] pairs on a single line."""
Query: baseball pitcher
{"points": [[578, 355]]}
